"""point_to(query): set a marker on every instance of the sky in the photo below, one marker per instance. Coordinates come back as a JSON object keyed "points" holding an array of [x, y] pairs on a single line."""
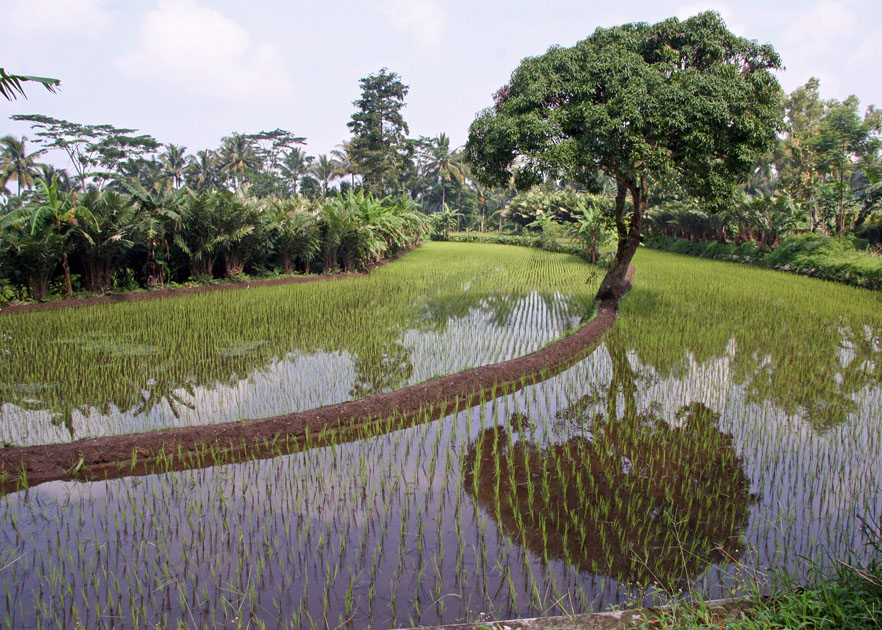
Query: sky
{"points": [[189, 72]]}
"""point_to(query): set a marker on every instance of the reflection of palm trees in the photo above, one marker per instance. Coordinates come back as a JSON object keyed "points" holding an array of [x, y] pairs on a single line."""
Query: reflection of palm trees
{"points": [[631, 495]]}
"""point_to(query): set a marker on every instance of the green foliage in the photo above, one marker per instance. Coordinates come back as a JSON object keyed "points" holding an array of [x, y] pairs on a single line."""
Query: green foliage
{"points": [[379, 148], [17, 164], [685, 100], [11, 84], [848, 599], [97, 153]]}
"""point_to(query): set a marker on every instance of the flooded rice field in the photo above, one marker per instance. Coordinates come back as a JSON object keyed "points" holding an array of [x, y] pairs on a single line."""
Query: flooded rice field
{"points": [[704, 442], [268, 351]]}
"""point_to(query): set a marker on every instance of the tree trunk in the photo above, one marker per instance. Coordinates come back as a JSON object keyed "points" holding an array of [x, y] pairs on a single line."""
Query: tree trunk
{"points": [[202, 265], [234, 262], [66, 266], [39, 281], [616, 284]]}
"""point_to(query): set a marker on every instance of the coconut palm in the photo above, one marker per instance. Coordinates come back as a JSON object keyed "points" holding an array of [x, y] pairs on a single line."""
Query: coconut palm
{"points": [[324, 169], [295, 166], [345, 166], [173, 163], [444, 165], [11, 84], [238, 159], [49, 172], [202, 171], [17, 164]]}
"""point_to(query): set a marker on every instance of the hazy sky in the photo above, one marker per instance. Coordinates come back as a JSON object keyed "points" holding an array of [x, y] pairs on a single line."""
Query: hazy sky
{"points": [[191, 71]]}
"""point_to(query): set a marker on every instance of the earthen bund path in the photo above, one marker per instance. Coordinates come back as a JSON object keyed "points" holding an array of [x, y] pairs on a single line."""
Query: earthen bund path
{"points": [[209, 445]]}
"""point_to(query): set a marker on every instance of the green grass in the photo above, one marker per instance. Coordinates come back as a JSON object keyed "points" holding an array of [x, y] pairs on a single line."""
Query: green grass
{"points": [[849, 600]]}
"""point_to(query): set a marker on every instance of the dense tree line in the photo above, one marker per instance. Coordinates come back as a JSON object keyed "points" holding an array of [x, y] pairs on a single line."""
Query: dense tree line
{"points": [[106, 240], [823, 176]]}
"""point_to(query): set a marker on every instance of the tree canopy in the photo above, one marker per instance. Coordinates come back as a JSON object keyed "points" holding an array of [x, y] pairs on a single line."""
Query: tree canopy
{"points": [[686, 100], [379, 147]]}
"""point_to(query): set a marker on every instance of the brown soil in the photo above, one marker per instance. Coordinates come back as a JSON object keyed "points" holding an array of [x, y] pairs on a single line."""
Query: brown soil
{"points": [[208, 445]]}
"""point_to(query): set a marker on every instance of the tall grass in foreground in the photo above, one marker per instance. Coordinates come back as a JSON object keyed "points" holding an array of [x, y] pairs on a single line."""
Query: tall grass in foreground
{"points": [[267, 351], [660, 464]]}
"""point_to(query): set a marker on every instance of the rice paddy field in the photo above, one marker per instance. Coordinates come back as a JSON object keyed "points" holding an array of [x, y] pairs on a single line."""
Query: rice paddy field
{"points": [[727, 426], [268, 351]]}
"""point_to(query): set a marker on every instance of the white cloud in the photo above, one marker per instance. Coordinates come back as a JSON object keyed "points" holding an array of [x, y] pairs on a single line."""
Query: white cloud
{"points": [[192, 46], [423, 20], [821, 25], [725, 11], [85, 16], [814, 44]]}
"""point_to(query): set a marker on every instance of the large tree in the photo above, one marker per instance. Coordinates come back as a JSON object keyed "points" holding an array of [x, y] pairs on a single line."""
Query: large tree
{"points": [[96, 152], [379, 146], [686, 100]]}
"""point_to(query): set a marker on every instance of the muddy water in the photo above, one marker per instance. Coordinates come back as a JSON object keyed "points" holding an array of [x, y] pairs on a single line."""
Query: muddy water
{"points": [[609, 483]]}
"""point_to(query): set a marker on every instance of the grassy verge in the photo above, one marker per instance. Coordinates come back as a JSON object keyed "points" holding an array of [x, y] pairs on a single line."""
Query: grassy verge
{"points": [[824, 257], [557, 245], [850, 600]]}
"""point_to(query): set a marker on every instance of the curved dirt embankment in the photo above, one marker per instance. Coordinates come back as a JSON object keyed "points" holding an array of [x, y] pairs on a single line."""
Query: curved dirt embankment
{"points": [[203, 288], [207, 445]]}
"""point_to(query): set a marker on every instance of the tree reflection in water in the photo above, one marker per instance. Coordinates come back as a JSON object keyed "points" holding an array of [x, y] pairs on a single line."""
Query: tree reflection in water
{"points": [[635, 496]]}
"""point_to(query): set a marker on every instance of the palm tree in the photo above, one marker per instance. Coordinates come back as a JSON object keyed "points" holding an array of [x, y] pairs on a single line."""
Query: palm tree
{"points": [[201, 170], [444, 165], [105, 243], [446, 219], [325, 169], [49, 172], [296, 165], [237, 158], [158, 218], [56, 215], [16, 163], [345, 166], [200, 237], [173, 162], [10, 84], [295, 233]]}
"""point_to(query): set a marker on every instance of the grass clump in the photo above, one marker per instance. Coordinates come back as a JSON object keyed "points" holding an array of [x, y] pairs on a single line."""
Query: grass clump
{"points": [[851, 600]]}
